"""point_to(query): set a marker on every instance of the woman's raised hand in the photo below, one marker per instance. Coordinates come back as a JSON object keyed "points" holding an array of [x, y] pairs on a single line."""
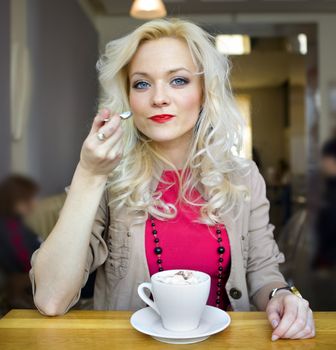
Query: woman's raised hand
{"points": [[102, 150]]}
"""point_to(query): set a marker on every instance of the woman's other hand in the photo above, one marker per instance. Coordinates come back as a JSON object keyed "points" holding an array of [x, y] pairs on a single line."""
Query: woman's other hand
{"points": [[101, 156], [290, 316]]}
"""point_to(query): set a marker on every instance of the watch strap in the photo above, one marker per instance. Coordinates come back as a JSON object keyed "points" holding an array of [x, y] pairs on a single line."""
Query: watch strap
{"points": [[292, 289]]}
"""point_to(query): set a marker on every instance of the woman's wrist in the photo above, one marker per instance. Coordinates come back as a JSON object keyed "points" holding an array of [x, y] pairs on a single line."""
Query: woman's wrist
{"points": [[291, 289], [84, 182], [280, 292], [86, 175]]}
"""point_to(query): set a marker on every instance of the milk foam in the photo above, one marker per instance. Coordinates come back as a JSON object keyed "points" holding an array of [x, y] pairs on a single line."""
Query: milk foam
{"points": [[180, 277]]}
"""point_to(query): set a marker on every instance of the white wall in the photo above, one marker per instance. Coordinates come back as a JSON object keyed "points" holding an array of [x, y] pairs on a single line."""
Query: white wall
{"points": [[62, 48]]}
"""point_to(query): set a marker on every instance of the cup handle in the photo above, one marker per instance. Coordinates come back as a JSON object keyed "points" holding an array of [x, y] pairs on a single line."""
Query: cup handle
{"points": [[145, 298]]}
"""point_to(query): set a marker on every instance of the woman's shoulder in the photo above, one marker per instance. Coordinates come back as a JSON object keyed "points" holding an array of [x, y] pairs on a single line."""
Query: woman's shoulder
{"points": [[247, 172]]}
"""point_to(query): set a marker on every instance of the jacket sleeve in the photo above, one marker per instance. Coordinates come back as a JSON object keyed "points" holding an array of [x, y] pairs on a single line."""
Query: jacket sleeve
{"points": [[97, 253], [264, 256]]}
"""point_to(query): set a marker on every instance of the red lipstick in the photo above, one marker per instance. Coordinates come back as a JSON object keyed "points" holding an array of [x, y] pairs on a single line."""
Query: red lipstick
{"points": [[161, 118]]}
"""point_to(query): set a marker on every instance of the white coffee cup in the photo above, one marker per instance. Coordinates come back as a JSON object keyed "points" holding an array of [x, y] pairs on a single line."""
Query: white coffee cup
{"points": [[179, 305]]}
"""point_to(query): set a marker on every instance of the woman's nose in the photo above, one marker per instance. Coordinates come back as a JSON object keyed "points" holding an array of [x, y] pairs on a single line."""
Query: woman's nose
{"points": [[160, 97]]}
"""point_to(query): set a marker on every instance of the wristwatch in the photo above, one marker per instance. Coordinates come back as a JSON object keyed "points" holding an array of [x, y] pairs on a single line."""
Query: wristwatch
{"points": [[292, 289]]}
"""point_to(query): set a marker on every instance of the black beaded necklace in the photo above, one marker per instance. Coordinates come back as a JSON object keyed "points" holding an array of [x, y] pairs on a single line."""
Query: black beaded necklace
{"points": [[220, 251]]}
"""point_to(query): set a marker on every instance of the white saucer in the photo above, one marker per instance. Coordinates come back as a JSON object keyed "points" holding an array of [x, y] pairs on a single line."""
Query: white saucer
{"points": [[213, 320]]}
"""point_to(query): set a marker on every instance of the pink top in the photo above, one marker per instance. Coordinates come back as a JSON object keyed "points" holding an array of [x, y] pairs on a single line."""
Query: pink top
{"points": [[188, 245]]}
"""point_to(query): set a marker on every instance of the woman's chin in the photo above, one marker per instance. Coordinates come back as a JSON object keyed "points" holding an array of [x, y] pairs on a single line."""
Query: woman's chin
{"points": [[162, 140], [162, 136]]}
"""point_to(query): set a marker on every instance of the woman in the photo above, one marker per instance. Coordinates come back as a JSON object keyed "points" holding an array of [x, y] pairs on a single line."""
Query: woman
{"points": [[176, 195]]}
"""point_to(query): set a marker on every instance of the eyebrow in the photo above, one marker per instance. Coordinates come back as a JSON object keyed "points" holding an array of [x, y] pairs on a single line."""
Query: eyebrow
{"points": [[168, 72]]}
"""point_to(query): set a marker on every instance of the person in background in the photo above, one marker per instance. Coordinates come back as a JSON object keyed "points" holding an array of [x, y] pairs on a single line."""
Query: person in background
{"points": [[326, 217], [18, 199]]}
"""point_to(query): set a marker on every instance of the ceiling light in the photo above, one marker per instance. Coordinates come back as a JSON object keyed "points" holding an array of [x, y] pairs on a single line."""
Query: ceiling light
{"points": [[302, 38], [233, 44], [148, 9]]}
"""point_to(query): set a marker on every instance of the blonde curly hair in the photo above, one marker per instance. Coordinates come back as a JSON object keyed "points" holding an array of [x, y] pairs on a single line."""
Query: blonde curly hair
{"points": [[211, 162]]}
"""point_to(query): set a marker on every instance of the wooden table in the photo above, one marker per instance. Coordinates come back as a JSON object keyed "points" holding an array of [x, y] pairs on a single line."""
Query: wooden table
{"points": [[82, 329]]}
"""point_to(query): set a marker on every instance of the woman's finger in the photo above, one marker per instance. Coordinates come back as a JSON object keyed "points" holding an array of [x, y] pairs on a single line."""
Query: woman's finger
{"points": [[301, 320], [96, 149], [108, 130], [274, 311], [116, 151], [98, 121], [309, 329], [288, 318], [112, 140]]}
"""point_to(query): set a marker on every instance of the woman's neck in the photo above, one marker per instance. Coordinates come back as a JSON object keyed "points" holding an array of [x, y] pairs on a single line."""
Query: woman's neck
{"points": [[176, 151]]}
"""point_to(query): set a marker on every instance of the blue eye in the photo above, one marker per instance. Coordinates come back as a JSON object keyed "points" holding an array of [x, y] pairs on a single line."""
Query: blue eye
{"points": [[183, 81], [139, 85]]}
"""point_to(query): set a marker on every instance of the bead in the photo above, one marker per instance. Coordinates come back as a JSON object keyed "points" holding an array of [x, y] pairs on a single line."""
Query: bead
{"points": [[153, 223], [160, 268], [219, 284], [218, 231], [217, 301], [219, 239], [220, 268], [158, 250], [218, 292], [154, 232], [221, 250], [219, 275], [159, 261], [156, 240], [220, 259]]}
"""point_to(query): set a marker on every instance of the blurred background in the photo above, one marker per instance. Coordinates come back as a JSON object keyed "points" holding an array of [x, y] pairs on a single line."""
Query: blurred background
{"points": [[283, 75]]}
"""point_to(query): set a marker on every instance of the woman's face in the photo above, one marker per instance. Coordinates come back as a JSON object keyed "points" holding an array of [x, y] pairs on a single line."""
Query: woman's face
{"points": [[162, 82]]}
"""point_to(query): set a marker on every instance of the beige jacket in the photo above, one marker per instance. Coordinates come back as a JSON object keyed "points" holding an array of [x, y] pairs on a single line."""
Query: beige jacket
{"points": [[119, 256]]}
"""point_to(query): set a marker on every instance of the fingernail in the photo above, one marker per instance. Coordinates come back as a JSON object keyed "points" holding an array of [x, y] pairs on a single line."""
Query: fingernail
{"points": [[274, 337], [274, 323]]}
